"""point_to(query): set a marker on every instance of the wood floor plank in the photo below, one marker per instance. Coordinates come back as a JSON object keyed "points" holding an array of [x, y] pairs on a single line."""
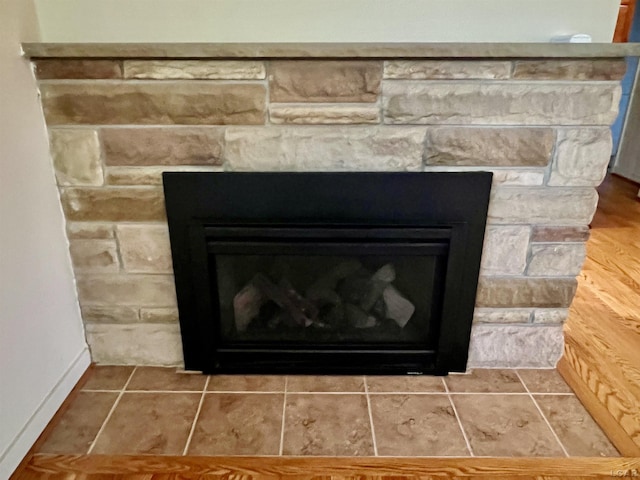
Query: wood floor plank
{"points": [[332, 467]]}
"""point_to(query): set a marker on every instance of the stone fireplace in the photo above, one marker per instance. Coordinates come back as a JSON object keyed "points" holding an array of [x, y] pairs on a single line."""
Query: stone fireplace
{"points": [[117, 119]]}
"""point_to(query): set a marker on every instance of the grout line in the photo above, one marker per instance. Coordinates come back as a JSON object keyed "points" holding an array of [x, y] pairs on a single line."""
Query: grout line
{"points": [[115, 404], [373, 430], [555, 435], [284, 408], [455, 412], [195, 419]]}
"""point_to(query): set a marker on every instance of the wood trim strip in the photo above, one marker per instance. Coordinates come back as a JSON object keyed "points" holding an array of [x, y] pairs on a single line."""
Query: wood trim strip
{"points": [[569, 366], [280, 467]]}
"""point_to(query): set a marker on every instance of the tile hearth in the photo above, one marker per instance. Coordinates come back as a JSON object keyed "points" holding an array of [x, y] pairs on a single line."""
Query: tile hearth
{"points": [[154, 410]]}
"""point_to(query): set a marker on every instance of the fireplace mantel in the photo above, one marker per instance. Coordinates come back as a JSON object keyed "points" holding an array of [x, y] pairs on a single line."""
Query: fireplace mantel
{"points": [[331, 50]]}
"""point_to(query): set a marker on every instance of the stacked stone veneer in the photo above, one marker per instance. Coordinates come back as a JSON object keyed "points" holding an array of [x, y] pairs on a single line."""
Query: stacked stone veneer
{"points": [[540, 125]]}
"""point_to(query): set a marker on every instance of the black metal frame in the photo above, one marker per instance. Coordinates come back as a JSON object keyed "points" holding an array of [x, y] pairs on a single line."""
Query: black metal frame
{"points": [[234, 212]]}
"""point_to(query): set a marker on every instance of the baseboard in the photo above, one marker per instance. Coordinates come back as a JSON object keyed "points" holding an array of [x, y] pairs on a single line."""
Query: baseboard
{"points": [[21, 444]]}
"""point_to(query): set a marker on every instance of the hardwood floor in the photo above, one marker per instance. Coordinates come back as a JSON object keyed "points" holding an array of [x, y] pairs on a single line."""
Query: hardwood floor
{"points": [[602, 351]]}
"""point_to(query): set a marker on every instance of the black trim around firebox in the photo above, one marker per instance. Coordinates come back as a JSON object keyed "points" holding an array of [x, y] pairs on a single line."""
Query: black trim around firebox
{"points": [[209, 211]]}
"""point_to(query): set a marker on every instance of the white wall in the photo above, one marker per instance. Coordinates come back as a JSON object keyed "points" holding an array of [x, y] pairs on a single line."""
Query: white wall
{"points": [[324, 20], [42, 346]]}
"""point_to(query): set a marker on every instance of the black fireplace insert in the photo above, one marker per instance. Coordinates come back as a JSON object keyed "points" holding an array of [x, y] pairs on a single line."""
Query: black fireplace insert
{"points": [[351, 273]]}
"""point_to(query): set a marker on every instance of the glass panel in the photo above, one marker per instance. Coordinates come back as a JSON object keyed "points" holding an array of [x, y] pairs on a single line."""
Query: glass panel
{"points": [[302, 300]]}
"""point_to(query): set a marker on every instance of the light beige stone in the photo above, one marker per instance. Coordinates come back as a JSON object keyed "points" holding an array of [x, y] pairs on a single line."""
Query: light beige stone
{"points": [[323, 114], [125, 204], [446, 69], [194, 69], [551, 316], [525, 292], [76, 156], [145, 248], [123, 290], [502, 315], [153, 103], [415, 102], [501, 176], [582, 157], [110, 314], [94, 255], [137, 147], [324, 81], [513, 147], [556, 259], [138, 344], [324, 148], [510, 346], [151, 176], [568, 206], [550, 69], [85, 231], [159, 315], [505, 250]]}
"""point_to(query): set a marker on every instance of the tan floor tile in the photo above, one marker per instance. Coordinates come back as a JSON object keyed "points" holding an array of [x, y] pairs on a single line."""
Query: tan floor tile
{"points": [[238, 424], [544, 381], [327, 425], [325, 383], [166, 379], [578, 432], [246, 383], [105, 377], [80, 423], [149, 423], [505, 425], [416, 425], [485, 381], [405, 383]]}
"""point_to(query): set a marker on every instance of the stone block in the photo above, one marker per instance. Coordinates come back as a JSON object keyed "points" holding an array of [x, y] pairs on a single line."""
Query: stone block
{"points": [[592, 69], [94, 255], [556, 259], [582, 157], [446, 69], [76, 156], [501, 176], [70, 68], [151, 176], [324, 149], [324, 114], [126, 204], [138, 344], [502, 315], [86, 231], [525, 292], [145, 248], [497, 147], [138, 147], [109, 314], [432, 103], [505, 250], [551, 316], [159, 315], [123, 290], [149, 103], [324, 81], [511, 346], [568, 206], [194, 69], [543, 233]]}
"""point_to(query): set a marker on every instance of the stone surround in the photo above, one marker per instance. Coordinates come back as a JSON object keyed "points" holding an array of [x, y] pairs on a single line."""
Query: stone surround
{"points": [[542, 127]]}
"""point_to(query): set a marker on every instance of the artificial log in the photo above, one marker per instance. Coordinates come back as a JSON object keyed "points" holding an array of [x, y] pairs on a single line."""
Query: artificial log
{"points": [[303, 312], [358, 318], [246, 306], [397, 307]]}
